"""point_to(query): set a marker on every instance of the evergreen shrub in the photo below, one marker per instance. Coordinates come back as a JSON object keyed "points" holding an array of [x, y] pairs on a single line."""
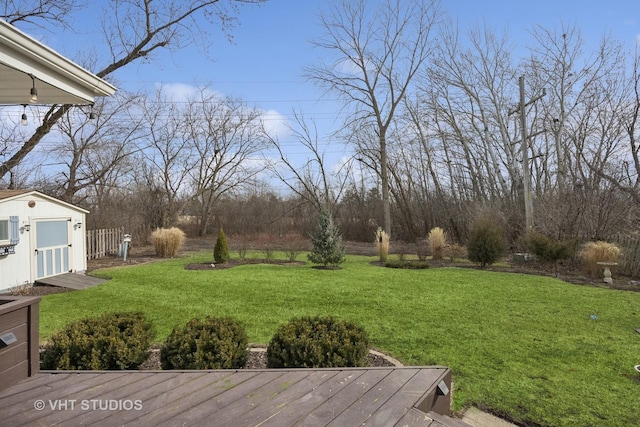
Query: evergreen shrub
{"points": [[212, 343], [327, 243], [547, 249], [486, 242], [318, 342], [109, 342], [221, 249]]}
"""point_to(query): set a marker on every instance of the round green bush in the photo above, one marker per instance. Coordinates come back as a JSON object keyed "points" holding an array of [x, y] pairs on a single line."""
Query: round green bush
{"points": [[318, 342], [109, 342], [212, 343], [486, 242], [547, 249]]}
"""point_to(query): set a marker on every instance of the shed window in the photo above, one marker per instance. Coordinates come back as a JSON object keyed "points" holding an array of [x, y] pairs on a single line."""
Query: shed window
{"points": [[4, 231], [9, 234]]}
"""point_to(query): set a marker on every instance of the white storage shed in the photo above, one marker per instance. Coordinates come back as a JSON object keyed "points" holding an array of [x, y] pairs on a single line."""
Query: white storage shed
{"points": [[40, 236]]}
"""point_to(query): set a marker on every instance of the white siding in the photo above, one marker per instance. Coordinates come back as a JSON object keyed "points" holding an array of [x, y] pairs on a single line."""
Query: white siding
{"points": [[18, 269]]}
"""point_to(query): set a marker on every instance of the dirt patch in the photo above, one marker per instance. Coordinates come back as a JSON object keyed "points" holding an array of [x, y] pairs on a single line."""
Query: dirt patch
{"points": [[258, 359]]}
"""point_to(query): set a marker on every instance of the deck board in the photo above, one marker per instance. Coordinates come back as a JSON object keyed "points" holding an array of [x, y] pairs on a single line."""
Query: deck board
{"points": [[259, 402], [411, 391], [288, 396], [335, 403], [75, 281], [329, 383], [205, 401], [269, 397], [165, 393], [371, 401]]}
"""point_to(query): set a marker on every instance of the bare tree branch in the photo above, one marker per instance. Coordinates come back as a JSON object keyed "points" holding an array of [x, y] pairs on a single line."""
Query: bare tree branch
{"points": [[136, 30]]}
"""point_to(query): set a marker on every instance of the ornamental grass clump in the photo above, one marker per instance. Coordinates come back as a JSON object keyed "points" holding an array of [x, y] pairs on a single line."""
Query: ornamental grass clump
{"points": [[382, 244], [112, 341], [592, 253], [318, 342], [437, 240], [211, 343], [167, 241]]}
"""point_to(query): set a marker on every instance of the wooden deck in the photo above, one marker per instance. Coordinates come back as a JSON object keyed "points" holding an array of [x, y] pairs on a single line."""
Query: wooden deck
{"points": [[400, 396], [71, 280]]}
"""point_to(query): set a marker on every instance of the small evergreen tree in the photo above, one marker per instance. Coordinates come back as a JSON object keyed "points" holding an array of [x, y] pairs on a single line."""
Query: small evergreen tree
{"points": [[327, 243], [221, 250], [486, 242]]}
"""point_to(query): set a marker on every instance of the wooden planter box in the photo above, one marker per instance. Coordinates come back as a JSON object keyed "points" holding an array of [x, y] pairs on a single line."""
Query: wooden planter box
{"points": [[19, 357]]}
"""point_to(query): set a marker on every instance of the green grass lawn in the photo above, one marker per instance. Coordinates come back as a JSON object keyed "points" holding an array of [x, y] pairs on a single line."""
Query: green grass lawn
{"points": [[519, 345]]}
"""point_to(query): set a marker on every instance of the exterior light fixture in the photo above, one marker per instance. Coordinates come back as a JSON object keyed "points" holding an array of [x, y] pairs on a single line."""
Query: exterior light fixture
{"points": [[34, 91], [23, 119]]}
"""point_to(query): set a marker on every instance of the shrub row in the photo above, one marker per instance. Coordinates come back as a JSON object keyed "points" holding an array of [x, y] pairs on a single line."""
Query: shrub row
{"points": [[108, 342], [121, 341]]}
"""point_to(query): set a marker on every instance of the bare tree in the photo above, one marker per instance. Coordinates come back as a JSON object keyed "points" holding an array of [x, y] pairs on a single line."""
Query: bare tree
{"points": [[378, 52], [623, 172], [134, 30], [574, 80], [94, 148], [468, 89], [225, 137], [313, 181], [166, 157]]}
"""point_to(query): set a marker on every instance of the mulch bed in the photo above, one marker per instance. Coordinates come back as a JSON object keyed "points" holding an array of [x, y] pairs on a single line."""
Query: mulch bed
{"points": [[235, 262], [257, 359]]}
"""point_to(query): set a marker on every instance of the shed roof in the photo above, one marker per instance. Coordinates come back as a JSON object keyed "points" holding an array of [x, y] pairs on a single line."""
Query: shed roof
{"points": [[7, 195], [57, 79]]}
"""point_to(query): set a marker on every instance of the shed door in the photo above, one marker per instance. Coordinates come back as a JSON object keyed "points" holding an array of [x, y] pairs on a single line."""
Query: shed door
{"points": [[53, 248]]}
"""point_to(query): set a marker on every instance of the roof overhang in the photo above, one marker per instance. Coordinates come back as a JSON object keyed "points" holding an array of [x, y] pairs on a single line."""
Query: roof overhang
{"points": [[57, 79]]}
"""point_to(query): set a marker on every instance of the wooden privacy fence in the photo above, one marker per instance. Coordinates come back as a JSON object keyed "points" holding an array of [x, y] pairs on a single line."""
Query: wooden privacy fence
{"points": [[630, 260], [103, 242]]}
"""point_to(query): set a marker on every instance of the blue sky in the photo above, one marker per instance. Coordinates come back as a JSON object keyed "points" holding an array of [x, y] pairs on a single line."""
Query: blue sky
{"points": [[264, 64]]}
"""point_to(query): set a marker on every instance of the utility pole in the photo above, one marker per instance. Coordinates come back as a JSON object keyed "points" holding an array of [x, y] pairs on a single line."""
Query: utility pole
{"points": [[526, 175]]}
